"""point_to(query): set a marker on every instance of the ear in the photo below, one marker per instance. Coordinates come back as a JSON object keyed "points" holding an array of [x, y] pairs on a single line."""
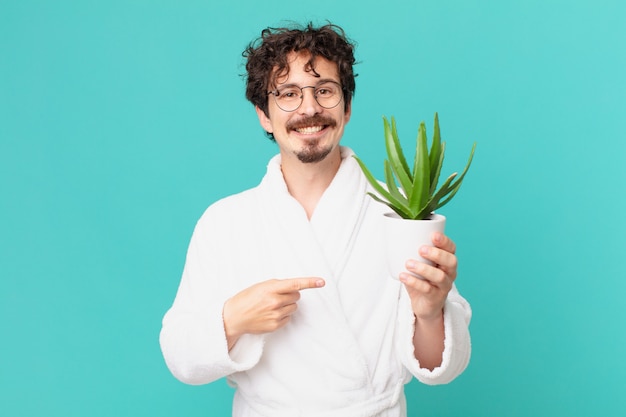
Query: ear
{"points": [[348, 113], [265, 121]]}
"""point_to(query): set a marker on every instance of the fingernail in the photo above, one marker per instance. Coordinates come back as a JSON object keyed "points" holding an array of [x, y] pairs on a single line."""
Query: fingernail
{"points": [[424, 250], [320, 282], [410, 264]]}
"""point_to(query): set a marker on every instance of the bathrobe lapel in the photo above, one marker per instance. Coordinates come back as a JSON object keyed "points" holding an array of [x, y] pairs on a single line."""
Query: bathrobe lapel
{"points": [[320, 248], [322, 245], [339, 213]]}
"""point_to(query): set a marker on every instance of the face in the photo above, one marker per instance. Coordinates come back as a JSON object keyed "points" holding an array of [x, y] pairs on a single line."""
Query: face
{"points": [[311, 133]]}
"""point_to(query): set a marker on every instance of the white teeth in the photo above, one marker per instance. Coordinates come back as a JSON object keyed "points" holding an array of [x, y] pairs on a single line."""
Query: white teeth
{"points": [[309, 130]]}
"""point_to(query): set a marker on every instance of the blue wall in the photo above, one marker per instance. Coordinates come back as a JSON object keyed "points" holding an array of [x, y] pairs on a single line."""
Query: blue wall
{"points": [[120, 121]]}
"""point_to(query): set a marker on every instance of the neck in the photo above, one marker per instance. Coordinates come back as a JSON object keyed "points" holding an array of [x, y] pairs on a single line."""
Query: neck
{"points": [[307, 182]]}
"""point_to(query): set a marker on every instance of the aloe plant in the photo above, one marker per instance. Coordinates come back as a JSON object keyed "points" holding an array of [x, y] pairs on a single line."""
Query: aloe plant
{"points": [[413, 193]]}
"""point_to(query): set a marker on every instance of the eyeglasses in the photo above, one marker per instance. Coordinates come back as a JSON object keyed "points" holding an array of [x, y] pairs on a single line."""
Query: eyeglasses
{"points": [[328, 94]]}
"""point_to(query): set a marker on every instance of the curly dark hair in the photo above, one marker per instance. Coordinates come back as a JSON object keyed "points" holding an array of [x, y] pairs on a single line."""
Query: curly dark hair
{"points": [[266, 58]]}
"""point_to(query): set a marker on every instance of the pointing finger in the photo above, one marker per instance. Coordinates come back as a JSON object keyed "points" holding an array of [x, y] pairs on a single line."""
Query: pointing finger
{"points": [[298, 284]]}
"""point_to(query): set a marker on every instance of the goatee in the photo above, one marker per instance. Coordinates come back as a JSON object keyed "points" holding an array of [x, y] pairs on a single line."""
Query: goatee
{"points": [[312, 153]]}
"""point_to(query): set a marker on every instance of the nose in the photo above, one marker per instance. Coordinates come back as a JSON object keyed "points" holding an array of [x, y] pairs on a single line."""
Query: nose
{"points": [[309, 105]]}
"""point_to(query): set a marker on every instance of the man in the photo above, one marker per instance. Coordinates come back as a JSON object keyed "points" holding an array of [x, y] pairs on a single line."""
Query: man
{"points": [[285, 290]]}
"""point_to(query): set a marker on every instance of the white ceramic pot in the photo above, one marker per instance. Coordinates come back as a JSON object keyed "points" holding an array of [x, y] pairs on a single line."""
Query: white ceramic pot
{"points": [[403, 239]]}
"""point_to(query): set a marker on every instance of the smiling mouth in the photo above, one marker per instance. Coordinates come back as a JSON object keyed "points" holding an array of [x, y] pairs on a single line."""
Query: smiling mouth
{"points": [[309, 130], [311, 125]]}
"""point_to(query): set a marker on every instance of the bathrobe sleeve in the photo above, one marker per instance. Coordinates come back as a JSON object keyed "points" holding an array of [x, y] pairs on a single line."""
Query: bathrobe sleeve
{"points": [[193, 340], [457, 347]]}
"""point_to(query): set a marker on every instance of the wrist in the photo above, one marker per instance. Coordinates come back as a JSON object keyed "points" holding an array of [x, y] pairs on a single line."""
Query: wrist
{"points": [[434, 319], [230, 328]]}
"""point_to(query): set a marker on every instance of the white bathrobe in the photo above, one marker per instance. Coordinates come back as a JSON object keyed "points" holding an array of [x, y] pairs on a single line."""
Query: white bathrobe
{"points": [[347, 350]]}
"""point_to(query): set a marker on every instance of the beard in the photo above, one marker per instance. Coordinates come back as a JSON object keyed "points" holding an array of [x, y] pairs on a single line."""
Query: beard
{"points": [[313, 153]]}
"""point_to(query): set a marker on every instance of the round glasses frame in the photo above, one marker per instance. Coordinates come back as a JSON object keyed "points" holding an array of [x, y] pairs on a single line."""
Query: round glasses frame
{"points": [[291, 104]]}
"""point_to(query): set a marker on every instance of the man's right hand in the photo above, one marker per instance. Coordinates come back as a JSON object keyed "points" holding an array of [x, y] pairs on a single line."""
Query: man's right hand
{"points": [[264, 307]]}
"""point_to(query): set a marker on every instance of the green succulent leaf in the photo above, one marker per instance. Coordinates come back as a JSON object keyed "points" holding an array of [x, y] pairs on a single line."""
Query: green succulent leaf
{"points": [[435, 171], [396, 156], [421, 172], [396, 141], [405, 214], [391, 185], [379, 188], [454, 188], [437, 150], [452, 192], [441, 193]]}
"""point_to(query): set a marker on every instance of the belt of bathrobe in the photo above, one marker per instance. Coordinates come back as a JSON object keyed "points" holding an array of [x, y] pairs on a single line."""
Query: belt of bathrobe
{"points": [[371, 407]]}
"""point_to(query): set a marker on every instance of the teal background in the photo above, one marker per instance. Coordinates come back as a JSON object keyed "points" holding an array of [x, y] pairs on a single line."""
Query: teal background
{"points": [[121, 121]]}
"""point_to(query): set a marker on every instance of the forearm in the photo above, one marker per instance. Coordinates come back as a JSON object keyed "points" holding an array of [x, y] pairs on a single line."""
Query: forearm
{"points": [[457, 345], [428, 341]]}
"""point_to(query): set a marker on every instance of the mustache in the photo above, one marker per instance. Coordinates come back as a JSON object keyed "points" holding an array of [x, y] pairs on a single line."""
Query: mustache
{"points": [[316, 120]]}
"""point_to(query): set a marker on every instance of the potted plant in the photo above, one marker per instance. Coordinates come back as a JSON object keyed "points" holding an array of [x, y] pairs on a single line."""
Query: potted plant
{"points": [[412, 193]]}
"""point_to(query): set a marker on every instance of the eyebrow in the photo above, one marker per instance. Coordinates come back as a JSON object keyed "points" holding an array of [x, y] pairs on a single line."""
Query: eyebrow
{"points": [[322, 81]]}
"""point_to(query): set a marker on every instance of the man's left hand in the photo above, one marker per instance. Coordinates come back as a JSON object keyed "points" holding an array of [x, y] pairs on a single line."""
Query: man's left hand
{"points": [[428, 295]]}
